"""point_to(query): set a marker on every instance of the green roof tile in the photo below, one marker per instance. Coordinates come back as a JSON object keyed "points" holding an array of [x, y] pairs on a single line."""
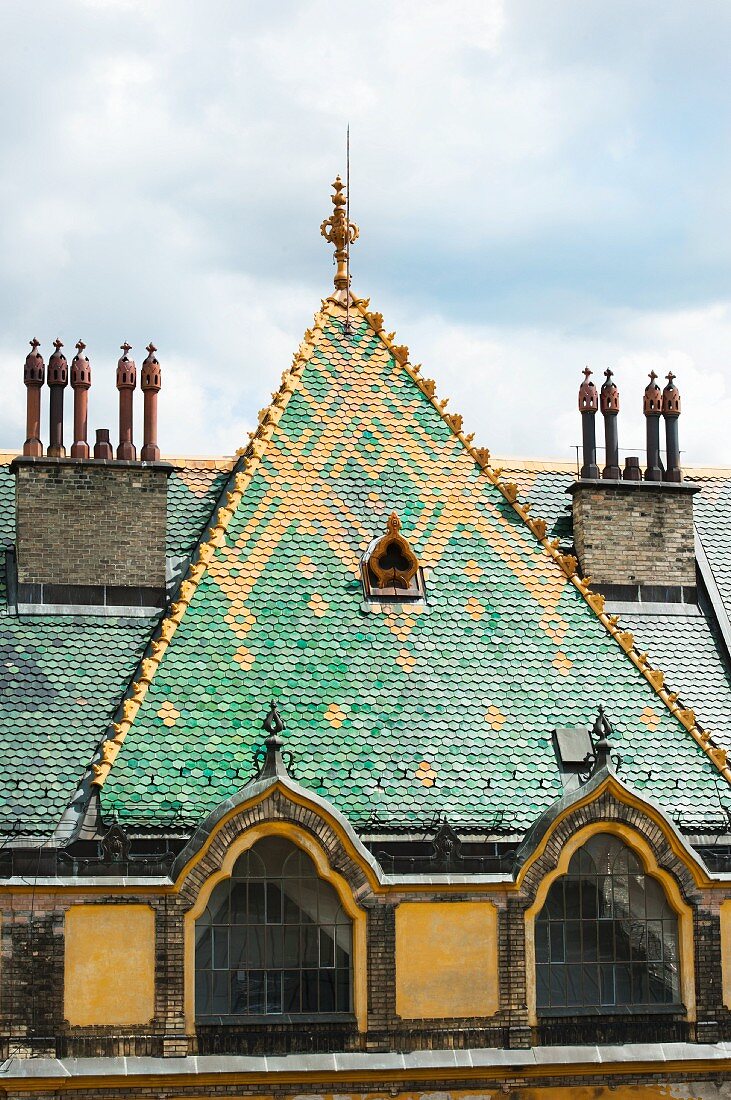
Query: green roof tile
{"points": [[467, 691]]}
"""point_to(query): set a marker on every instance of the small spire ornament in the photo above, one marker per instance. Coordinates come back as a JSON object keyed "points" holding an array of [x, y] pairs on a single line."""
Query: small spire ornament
{"points": [[339, 231]]}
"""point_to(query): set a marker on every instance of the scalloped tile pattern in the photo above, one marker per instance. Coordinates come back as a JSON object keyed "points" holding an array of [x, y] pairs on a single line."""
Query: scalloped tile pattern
{"points": [[465, 693]]}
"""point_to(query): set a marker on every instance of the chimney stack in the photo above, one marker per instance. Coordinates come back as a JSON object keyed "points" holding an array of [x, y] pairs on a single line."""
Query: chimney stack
{"points": [[588, 405], [653, 410], [126, 382], [33, 377], [610, 411], [635, 537], [58, 379], [103, 446], [150, 382], [671, 412], [80, 383]]}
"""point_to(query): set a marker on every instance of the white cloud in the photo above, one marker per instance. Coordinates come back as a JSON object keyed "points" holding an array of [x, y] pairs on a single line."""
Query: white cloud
{"points": [[537, 186]]}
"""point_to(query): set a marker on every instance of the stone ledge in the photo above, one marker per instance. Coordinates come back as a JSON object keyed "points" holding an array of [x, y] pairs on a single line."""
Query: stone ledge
{"points": [[377, 1063]]}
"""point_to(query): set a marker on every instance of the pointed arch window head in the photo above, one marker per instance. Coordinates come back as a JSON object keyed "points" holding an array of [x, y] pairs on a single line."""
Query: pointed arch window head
{"points": [[391, 569], [273, 940], [606, 937]]}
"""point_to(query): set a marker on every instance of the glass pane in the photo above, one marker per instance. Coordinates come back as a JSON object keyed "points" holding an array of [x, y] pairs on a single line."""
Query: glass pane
{"points": [[203, 948], [291, 995], [557, 942], [541, 941], [605, 933], [238, 903], [327, 947], [219, 993], [274, 903], [291, 947], [606, 985], [589, 934], [239, 991], [237, 946], [256, 906], [542, 987], [573, 985], [590, 993], [220, 948], [343, 991], [257, 992], [573, 940], [558, 985], [255, 947], [274, 947], [203, 992], [274, 991], [310, 950], [327, 991]]}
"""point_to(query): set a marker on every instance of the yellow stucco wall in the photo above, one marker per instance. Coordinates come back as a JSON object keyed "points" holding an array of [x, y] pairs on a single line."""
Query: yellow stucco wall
{"points": [[109, 969], [726, 952], [446, 959]]}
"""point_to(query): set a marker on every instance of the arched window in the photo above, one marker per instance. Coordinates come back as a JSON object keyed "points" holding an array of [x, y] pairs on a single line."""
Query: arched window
{"points": [[606, 937], [273, 939]]}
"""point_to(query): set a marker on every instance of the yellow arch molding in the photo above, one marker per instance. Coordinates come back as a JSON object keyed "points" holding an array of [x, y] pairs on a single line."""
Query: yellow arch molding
{"points": [[612, 785], [304, 841], [297, 799], [639, 845]]}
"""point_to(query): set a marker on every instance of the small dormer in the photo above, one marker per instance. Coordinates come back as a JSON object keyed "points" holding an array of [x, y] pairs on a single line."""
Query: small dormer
{"points": [[390, 568]]}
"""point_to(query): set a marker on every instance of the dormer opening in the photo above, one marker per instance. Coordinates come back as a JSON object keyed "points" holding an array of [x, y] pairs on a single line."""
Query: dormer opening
{"points": [[390, 568]]}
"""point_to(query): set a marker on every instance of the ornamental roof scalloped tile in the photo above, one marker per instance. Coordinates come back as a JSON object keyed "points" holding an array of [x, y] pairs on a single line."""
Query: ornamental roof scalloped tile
{"points": [[464, 695]]}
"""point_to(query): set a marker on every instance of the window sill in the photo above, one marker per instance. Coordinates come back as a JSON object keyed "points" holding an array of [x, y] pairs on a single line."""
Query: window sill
{"points": [[611, 1010], [279, 1018]]}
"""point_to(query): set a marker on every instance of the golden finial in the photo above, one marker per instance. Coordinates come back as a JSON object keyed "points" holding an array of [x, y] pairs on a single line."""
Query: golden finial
{"points": [[341, 232]]}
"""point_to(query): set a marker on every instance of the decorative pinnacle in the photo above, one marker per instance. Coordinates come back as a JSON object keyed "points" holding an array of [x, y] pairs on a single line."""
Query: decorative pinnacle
{"points": [[601, 732], [670, 377], [273, 725], [341, 232], [35, 343], [150, 349], [58, 344], [125, 347], [80, 345], [275, 763], [608, 374], [587, 373]]}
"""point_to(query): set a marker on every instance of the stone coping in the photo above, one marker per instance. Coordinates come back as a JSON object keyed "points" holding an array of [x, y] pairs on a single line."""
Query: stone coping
{"points": [[634, 486], [380, 1064]]}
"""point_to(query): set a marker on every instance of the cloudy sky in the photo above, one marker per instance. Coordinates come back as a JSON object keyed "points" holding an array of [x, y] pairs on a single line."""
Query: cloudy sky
{"points": [[538, 186]]}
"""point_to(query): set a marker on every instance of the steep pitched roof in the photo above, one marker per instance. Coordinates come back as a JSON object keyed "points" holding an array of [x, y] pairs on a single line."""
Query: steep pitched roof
{"points": [[393, 716], [62, 677]]}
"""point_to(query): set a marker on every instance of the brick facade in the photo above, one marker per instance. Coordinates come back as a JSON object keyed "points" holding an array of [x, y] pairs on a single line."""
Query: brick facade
{"points": [[635, 533], [33, 950], [91, 523]]}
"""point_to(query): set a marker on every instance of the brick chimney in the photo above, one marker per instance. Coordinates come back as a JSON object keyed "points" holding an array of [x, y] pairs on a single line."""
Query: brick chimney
{"points": [[80, 384], [635, 537], [90, 530], [58, 380], [33, 377]]}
